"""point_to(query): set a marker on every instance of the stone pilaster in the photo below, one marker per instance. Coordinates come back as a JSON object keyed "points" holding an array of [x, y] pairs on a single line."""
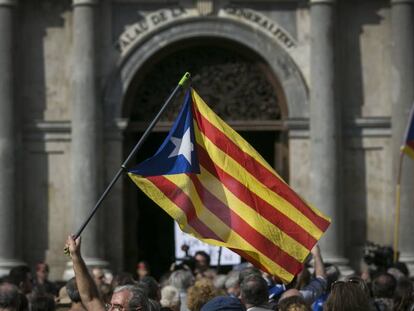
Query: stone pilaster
{"points": [[8, 242], [402, 82], [86, 150], [325, 129]]}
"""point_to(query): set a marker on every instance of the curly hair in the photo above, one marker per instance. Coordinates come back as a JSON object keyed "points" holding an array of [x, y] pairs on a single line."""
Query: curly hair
{"points": [[200, 293]]}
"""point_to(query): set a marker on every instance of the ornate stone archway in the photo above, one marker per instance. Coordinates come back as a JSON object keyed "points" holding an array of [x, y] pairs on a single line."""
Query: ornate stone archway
{"points": [[280, 62]]}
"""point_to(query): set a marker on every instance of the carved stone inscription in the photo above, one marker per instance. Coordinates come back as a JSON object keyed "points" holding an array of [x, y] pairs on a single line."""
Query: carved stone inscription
{"points": [[162, 18], [137, 31], [261, 21]]}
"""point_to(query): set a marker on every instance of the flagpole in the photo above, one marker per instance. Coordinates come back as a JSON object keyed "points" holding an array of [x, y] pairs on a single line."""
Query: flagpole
{"points": [[180, 86], [219, 259], [397, 208]]}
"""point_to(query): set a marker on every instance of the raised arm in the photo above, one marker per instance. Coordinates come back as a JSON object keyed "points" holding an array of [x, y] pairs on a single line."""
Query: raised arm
{"points": [[87, 288], [318, 262], [318, 285]]}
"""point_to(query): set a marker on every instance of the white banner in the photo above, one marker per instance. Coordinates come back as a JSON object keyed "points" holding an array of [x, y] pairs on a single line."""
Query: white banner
{"points": [[227, 256]]}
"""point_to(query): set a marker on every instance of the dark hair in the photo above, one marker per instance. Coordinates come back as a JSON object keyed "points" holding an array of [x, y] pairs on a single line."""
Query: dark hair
{"points": [[9, 295], [205, 255], [18, 274], [403, 297], [42, 302], [247, 272], [39, 265], [123, 278], [401, 266], [296, 302], [152, 286], [347, 296], [154, 305], [383, 285], [137, 298], [72, 290], [254, 290]]}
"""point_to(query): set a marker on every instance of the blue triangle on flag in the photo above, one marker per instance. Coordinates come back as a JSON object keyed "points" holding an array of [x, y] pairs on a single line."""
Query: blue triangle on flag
{"points": [[177, 154]]}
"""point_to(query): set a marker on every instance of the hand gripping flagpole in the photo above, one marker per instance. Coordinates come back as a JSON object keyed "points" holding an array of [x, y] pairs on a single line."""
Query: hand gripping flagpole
{"points": [[180, 86]]}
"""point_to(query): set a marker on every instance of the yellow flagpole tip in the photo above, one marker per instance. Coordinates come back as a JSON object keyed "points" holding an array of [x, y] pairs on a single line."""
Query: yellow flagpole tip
{"points": [[184, 79]]}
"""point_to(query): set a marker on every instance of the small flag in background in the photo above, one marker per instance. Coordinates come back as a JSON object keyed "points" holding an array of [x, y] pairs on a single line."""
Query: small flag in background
{"points": [[408, 146], [220, 190]]}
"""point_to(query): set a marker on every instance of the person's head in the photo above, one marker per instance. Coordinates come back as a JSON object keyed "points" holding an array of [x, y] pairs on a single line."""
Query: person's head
{"points": [[332, 274], [202, 260], [346, 296], [42, 271], [403, 296], [142, 269], [170, 298], [232, 285], [223, 303], [9, 297], [128, 297], [153, 288], [247, 272], [181, 279], [123, 278], [42, 302], [383, 285], [202, 291], [293, 292], [293, 303], [219, 281], [253, 291], [98, 276], [72, 291], [21, 277]]}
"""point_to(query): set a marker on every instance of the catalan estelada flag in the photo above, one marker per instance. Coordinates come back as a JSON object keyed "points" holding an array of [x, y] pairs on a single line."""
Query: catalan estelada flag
{"points": [[408, 145], [220, 190]]}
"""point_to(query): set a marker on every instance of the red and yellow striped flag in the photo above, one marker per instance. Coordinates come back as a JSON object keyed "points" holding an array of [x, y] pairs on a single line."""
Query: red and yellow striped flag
{"points": [[220, 190]]}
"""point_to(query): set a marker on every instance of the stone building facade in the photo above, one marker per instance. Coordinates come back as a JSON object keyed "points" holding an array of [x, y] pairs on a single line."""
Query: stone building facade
{"points": [[322, 88]]}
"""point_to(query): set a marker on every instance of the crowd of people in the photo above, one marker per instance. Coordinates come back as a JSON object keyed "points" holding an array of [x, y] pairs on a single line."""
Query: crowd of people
{"points": [[194, 286]]}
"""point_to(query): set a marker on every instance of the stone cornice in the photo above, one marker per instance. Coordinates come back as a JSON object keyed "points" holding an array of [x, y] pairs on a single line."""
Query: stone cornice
{"points": [[84, 2], [8, 2], [322, 1], [357, 127], [402, 1]]}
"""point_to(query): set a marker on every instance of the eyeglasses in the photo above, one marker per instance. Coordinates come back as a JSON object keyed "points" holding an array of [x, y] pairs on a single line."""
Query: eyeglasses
{"points": [[117, 307], [113, 307], [354, 280]]}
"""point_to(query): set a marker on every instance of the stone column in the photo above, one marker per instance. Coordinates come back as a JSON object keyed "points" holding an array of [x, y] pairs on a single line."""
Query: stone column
{"points": [[86, 150], [8, 243], [325, 129], [402, 81]]}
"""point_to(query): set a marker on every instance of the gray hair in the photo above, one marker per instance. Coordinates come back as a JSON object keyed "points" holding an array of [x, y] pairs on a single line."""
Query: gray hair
{"points": [[219, 281], [232, 280], [137, 297], [181, 279], [170, 296]]}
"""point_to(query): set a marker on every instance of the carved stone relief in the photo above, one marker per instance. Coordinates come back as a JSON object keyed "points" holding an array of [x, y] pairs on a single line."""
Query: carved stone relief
{"points": [[234, 86]]}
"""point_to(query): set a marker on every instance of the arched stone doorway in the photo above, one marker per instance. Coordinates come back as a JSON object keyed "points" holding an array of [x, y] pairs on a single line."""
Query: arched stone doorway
{"points": [[237, 84]]}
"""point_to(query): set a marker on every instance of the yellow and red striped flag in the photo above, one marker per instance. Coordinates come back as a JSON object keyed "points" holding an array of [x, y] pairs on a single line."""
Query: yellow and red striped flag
{"points": [[220, 190]]}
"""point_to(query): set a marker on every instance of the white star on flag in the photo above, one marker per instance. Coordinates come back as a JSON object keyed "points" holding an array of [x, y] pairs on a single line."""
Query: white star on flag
{"points": [[183, 146]]}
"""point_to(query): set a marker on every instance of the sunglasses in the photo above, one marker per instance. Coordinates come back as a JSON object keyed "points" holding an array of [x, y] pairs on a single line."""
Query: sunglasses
{"points": [[354, 280]]}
